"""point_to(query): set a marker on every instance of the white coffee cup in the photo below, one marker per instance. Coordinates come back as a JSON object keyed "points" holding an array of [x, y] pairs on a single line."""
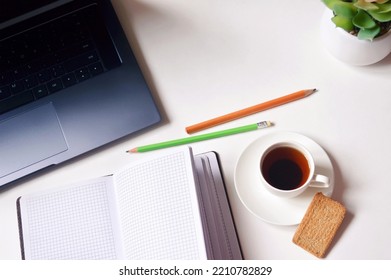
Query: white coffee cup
{"points": [[287, 169]]}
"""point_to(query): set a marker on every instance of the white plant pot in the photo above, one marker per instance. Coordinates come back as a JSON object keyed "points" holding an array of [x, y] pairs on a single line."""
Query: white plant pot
{"points": [[348, 48]]}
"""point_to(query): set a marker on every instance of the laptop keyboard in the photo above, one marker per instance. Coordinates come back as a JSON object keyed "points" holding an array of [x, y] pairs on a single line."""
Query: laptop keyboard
{"points": [[38, 63]]}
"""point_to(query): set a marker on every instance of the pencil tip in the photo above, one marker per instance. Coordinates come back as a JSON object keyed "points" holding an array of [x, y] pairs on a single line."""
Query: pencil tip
{"points": [[134, 150], [311, 91]]}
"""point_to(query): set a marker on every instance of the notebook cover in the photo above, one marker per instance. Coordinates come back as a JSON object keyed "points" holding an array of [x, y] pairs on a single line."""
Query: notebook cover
{"points": [[219, 227], [20, 228]]}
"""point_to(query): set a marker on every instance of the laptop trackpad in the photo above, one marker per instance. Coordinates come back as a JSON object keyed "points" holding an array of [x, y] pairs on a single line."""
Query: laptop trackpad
{"points": [[29, 138]]}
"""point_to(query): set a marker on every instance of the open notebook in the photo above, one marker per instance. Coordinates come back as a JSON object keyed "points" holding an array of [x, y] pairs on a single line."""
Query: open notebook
{"points": [[169, 206]]}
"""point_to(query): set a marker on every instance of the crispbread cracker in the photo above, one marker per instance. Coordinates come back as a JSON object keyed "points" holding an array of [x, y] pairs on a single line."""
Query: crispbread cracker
{"points": [[319, 225]]}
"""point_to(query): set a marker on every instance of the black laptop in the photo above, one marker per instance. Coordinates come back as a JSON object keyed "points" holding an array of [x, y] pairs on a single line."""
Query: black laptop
{"points": [[69, 83]]}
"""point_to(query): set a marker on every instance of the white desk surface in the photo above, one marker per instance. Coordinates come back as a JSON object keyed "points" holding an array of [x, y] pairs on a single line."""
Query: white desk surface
{"points": [[205, 58]]}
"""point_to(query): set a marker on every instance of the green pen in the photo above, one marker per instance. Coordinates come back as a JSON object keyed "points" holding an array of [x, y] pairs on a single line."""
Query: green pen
{"points": [[201, 137]]}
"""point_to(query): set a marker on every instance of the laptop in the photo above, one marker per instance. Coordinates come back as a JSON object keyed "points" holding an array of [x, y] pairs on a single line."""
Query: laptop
{"points": [[69, 83]]}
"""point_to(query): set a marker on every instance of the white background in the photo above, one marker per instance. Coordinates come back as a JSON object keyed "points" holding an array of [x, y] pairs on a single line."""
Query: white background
{"points": [[205, 58]]}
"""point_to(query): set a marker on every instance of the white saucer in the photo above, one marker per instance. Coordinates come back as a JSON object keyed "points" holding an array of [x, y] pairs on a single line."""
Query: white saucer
{"points": [[263, 204]]}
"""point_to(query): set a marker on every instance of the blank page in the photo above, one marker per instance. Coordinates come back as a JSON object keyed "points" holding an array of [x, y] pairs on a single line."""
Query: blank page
{"points": [[76, 222], [158, 206]]}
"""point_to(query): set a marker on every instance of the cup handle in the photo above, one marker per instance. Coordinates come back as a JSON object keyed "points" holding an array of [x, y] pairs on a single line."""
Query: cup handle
{"points": [[320, 181]]}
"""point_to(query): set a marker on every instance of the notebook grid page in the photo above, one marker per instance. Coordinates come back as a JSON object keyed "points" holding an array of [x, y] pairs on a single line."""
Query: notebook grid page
{"points": [[71, 224], [155, 205]]}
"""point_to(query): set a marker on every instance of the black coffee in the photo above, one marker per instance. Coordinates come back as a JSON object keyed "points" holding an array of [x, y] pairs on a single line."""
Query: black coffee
{"points": [[285, 168]]}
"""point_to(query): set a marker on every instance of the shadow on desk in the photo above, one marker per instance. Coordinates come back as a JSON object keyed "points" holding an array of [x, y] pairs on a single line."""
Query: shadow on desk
{"points": [[338, 195]]}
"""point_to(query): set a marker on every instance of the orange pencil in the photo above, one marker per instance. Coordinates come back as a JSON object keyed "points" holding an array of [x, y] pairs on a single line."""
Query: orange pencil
{"points": [[250, 110]]}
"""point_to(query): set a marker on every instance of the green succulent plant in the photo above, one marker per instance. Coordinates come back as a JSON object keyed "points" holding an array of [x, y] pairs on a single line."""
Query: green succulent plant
{"points": [[367, 19]]}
